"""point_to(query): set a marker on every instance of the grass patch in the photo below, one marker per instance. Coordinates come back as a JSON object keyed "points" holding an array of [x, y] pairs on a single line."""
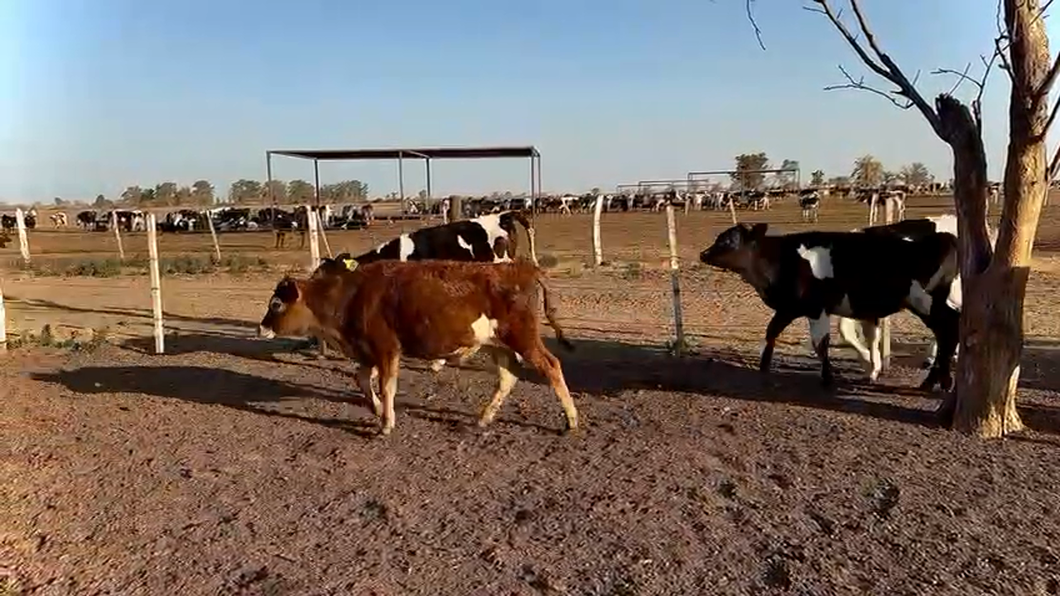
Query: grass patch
{"points": [[139, 265], [77, 341]]}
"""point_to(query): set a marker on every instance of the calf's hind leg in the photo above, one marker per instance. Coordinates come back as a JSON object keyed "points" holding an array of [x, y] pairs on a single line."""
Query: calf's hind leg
{"points": [[506, 379], [533, 350], [819, 332]]}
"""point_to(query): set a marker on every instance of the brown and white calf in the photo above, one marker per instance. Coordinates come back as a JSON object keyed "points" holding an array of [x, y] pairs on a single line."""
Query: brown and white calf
{"points": [[426, 310]]}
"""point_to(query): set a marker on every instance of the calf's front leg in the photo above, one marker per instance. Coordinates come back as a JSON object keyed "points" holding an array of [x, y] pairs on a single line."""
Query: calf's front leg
{"points": [[777, 325]]}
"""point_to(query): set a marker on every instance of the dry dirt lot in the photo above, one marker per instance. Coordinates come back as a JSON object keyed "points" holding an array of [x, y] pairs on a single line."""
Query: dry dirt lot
{"points": [[237, 466]]}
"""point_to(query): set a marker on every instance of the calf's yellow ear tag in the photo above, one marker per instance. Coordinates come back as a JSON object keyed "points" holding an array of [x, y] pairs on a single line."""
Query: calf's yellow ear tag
{"points": [[350, 264]]}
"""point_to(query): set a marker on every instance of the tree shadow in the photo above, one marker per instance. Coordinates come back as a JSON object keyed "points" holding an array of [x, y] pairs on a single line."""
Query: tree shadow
{"points": [[606, 368], [244, 346]]}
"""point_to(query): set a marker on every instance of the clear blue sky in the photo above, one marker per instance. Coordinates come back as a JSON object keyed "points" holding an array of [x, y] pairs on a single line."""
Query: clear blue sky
{"points": [[97, 95]]}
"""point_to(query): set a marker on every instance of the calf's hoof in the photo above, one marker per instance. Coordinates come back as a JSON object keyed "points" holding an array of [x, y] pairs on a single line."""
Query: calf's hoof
{"points": [[946, 382], [929, 382]]}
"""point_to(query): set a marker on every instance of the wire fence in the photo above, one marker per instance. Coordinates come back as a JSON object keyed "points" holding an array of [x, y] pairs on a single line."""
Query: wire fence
{"points": [[616, 273]]}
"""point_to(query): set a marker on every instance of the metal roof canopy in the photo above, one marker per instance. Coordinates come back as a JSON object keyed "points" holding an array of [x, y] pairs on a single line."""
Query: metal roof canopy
{"points": [[400, 153]]}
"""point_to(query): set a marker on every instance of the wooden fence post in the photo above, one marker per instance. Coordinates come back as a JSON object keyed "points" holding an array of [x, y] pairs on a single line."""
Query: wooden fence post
{"points": [[323, 236], [156, 283], [117, 235], [314, 241], [598, 251], [675, 282], [213, 235], [23, 242], [3, 322]]}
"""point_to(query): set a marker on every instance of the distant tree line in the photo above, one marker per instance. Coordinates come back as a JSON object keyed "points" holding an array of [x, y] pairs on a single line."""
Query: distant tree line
{"points": [[867, 172], [203, 194]]}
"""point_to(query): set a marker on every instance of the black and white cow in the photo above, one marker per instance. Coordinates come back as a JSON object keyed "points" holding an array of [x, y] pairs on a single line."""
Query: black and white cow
{"points": [[485, 238], [860, 276], [909, 230], [811, 207]]}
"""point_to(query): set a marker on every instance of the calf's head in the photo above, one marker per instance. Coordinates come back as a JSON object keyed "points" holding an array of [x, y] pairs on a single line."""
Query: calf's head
{"points": [[735, 248], [287, 313], [332, 267]]}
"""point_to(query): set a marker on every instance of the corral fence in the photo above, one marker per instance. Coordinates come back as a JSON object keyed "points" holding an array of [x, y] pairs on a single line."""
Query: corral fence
{"points": [[652, 290]]}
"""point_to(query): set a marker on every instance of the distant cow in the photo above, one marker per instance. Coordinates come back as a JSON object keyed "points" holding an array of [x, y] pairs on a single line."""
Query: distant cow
{"points": [[425, 310], [489, 238], [87, 219], [850, 274], [811, 206], [7, 222], [58, 219]]}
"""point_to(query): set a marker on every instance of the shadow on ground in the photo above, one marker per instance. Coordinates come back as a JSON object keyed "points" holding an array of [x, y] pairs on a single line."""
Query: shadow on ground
{"points": [[140, 313], [203, 385], [599, 368]]}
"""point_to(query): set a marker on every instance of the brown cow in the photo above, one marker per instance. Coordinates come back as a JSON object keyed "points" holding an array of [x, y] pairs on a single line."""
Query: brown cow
{"points": [[427, 310]]}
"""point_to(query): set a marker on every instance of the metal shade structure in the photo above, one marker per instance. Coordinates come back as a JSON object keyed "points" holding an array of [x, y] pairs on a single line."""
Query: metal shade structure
{"points": [[427, 154]]}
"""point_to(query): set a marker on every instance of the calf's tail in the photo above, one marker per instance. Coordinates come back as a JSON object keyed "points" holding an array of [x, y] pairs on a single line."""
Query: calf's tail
{"points": [[550, 316]]}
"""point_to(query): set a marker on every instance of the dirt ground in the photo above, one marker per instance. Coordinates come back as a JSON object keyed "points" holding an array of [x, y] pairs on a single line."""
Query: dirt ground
{"points": [[232, 465]]}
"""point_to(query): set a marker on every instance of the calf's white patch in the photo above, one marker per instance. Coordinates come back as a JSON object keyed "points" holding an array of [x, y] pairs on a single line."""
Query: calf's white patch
{"points": [[464, 244], [406, 247], [820, 260], [956, 296], [484, 329], [819, 328]]}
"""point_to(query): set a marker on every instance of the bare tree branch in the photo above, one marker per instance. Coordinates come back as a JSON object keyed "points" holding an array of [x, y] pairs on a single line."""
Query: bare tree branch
{"points": [[754, 23], [962, 77], [860, 85], [882, 65]]}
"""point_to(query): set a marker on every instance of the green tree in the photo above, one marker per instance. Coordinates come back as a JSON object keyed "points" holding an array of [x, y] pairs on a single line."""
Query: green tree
{"points": [[131, 196], [101, 201], [276, 191], [867, 172], [245, 191], [817, 178], [916, 174], [748, 175], [786, 179], [202, 193], [166, 194], [300, 192]]}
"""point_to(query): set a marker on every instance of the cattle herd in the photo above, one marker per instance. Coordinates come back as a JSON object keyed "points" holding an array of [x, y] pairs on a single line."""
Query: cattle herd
{"points": [[352, 217], [445, 292]]}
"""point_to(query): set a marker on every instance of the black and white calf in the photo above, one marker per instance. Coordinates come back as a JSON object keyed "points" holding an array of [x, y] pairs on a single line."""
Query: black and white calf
{"points": [[811, 206], [860, 276], [488, 238], [909, 230]]}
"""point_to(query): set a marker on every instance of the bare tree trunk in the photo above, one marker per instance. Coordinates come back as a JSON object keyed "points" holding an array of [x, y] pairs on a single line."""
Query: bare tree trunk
{"points": [[994, 286]]}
